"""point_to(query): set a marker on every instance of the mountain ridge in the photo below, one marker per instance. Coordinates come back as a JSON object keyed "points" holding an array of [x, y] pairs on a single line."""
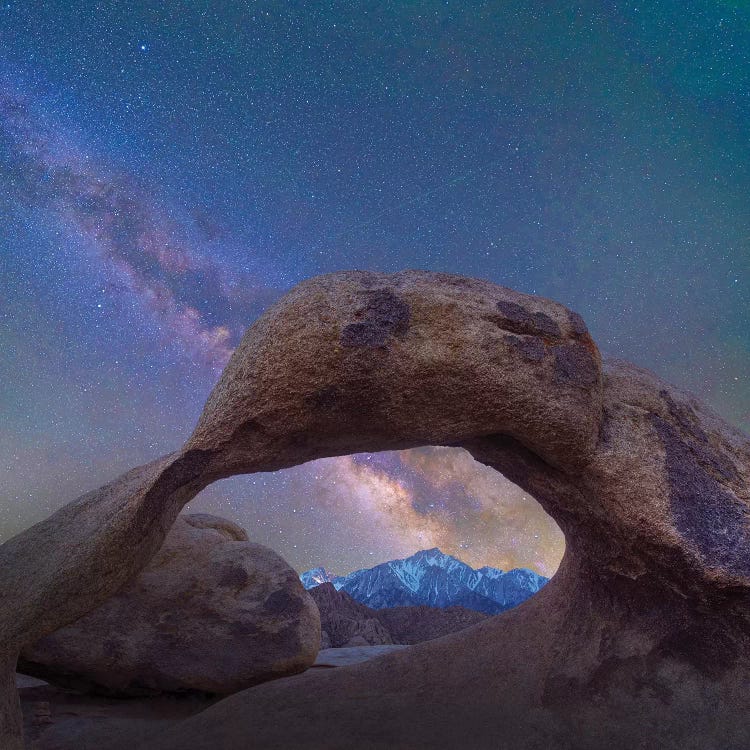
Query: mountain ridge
{"points": [[435, 579], [346, 622]]}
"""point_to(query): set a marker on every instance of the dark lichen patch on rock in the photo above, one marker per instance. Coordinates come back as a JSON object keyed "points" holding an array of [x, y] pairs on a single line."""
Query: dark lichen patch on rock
{"points": [[529, 347], [234, 576], [517, 319], [575, 364], [364, 335], [324, 398], [705, 513], [244, 629], [698, 440], [384, 314], [577, 324], [250, 429], [283, 603]]}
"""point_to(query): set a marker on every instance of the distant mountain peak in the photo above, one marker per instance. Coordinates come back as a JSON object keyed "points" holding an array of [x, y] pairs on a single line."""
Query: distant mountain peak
{"points": [[433, 578], [494, 572], [428, 552], [316, 576]]}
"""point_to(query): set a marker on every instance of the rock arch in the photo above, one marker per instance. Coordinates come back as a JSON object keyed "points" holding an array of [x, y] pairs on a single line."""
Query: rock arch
{"points": [[645, 625]]}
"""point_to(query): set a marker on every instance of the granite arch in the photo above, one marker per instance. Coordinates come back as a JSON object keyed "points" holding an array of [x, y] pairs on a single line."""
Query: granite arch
{"points": [[647, 621]]}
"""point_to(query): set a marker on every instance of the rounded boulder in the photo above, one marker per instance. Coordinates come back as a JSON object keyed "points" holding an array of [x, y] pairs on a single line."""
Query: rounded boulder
{"points": [[212, 613]]}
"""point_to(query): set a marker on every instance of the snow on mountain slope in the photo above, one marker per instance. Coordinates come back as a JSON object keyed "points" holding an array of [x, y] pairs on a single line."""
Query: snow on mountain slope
{"points": [[315, 577], [432, 578]]}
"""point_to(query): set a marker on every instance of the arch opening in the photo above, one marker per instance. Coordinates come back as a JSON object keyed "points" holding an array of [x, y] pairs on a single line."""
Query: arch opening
{"points": [[338, 519]]}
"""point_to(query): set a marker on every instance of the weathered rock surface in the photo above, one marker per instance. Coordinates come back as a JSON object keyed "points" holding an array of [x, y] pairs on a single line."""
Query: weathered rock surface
{"points": [[211, 612], [65, 566], [58, 718], [642, 639], [345, 657], [344, 619], [408, 625]]}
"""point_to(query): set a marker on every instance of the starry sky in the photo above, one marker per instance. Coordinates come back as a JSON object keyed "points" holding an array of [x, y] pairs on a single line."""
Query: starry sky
{"points": [[169, 169]]}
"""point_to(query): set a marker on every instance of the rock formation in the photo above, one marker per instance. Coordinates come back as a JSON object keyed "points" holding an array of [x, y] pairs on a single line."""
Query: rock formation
{"points": [[642, 638], [57, 718], [348, 655], [211, 612], [343, 619], [408, 625]]}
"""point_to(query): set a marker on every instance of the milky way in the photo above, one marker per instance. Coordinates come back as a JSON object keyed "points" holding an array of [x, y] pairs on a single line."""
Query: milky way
{"points": [[167, 172], [143, 251]]}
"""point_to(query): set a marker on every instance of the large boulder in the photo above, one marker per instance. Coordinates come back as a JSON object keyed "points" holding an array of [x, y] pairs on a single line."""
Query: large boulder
{"points": [[211, 612], [642, 638], [66, 565]]}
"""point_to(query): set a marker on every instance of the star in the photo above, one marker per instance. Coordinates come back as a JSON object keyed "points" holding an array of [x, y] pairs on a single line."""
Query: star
{"points": [[186, 194]]}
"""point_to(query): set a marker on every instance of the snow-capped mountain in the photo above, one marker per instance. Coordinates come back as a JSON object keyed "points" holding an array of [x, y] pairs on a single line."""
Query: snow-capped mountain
{"points": [[509, 588], [316, 576], [434, 579]]}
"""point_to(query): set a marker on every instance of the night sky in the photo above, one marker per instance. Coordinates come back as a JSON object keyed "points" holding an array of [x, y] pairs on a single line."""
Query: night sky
{"points": [[167, 170]]}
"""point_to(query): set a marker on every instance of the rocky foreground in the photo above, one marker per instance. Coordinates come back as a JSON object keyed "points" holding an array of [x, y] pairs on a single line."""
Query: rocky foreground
{"points": [[345, 622], [642, 638], [211, 613], [58, 718]]}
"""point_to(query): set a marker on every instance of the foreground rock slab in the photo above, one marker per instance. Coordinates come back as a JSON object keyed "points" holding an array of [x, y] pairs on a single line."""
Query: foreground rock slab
{"points": [[642, 638], [57, 718], [211, 612], [345, 657]]}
